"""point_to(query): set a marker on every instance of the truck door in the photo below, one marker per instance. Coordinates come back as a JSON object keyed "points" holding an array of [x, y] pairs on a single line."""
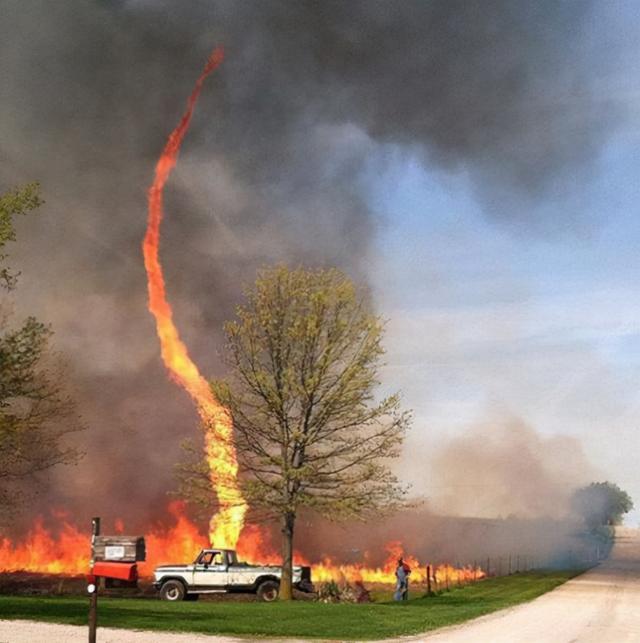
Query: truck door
{"points": [[211, 571]]}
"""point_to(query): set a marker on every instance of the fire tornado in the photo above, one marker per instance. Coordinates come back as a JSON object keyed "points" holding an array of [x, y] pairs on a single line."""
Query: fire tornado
{"points": [[225, 526]]}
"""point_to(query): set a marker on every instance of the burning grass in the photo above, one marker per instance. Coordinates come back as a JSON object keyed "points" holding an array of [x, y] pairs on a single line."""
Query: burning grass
{"points": [[66, 551], [297, 619]]}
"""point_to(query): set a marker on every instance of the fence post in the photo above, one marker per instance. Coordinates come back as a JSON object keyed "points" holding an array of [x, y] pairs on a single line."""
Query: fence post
{"points": [[428, 580]]}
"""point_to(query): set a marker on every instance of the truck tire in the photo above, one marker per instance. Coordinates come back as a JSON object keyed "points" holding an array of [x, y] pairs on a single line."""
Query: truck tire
{"points": [[268, 591], [172, 590]]}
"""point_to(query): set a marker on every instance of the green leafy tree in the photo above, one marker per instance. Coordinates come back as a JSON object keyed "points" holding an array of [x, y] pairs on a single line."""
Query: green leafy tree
{"points": [[601, 504], [13, 203], [303, 357], [35, 412]]}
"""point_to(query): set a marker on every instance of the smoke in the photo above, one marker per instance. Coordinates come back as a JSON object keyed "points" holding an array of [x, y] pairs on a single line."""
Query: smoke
{"points": [[505, 468], [435, 538], [271, 170], [501, 490]]}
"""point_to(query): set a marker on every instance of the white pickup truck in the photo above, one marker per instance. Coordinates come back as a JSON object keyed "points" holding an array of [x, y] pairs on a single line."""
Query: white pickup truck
{"points": [[218, 571]]}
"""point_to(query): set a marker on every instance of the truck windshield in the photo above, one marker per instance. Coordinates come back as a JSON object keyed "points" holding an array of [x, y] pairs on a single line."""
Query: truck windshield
{"points": [[232, 558]]}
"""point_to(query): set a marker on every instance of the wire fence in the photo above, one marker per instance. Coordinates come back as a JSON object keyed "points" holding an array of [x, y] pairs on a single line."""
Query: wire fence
{"points": [[444, 577]]}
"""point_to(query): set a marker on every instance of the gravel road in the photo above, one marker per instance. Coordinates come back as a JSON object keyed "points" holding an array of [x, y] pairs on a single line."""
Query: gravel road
{"points": [[32, 632], [601, 606]]}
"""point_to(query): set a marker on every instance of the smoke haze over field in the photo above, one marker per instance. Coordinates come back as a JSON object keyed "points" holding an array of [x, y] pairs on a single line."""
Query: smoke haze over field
{"points": [[504, 468], [310, 98], [438, 539]]}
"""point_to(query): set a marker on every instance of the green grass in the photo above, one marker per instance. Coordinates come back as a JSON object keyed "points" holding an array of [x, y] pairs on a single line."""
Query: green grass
{"points": [[300, 619]]}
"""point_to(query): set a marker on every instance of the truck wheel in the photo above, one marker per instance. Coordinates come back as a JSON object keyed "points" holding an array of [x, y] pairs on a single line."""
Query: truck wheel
{"points": [[172, 590], [268, 591]]}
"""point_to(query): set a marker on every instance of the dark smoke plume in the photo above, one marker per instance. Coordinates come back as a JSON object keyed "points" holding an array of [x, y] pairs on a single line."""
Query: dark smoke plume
{"points": [[310, 92]]}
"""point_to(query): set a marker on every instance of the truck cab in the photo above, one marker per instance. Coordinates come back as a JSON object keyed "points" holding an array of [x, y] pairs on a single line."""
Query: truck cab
{"points": [[211, 568]]}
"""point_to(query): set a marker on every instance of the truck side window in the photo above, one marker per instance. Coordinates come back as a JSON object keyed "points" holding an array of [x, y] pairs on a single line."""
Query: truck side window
{"points": [[206, 558]]}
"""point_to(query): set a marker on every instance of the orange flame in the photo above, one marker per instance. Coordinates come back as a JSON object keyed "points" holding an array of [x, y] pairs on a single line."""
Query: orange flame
{"points": [[330, 570], [225, 526], [67, 552]]}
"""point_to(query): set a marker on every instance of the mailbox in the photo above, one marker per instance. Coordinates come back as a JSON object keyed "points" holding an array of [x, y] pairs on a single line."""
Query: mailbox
{"points": [[115, 560], [121, 571], [113, 564], [123, 549]]}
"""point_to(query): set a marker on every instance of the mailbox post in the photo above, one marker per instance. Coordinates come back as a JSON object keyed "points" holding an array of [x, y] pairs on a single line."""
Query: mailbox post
{"points": [[92, 586], [115, 559]]}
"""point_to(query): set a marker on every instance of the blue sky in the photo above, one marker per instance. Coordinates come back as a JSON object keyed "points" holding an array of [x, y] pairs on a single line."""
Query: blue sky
{"points": [[535, 321]]}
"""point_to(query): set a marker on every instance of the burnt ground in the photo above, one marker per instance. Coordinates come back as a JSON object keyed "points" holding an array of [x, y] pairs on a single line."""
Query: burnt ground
{"points": [[35, 584]]}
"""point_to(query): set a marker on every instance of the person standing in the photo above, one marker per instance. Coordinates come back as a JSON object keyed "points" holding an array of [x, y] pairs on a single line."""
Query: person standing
{"points": [[402, 581]]}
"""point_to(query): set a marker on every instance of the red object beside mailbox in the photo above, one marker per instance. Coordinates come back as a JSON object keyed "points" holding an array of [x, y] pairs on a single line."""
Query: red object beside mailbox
{"points": [[122, 571]]}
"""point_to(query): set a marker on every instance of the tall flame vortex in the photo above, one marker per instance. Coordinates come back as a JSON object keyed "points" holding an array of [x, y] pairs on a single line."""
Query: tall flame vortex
{"points": [[225, 526]]}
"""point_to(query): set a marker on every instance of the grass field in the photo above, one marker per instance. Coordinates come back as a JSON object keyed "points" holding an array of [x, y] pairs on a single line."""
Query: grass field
{"points": [[298, 619]]}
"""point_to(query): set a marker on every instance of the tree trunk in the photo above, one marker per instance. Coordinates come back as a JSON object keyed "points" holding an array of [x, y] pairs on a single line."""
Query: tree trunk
{"points": [[286, 589]]}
